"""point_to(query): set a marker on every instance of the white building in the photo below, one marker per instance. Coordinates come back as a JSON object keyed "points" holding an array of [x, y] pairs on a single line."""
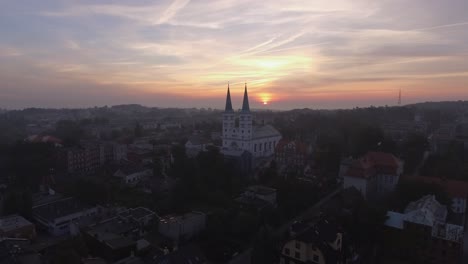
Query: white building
{"points": [[56, 217], [196, 144], [375, 174], [132, 176], [239, 133], [182, 227]]}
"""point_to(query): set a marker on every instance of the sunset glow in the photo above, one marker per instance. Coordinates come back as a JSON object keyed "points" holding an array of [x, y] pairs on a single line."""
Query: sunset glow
{"points": [[299, 53]]}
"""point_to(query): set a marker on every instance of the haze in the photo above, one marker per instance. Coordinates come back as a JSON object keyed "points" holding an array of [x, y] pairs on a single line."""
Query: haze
{"points": [[182, 53]]}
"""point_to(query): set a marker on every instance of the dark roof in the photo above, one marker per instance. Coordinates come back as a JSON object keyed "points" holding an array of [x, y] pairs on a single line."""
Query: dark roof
{"points": [[186, 255], [137, 213], [372, 163], [454, 188], [323, 231], [59, 208]]}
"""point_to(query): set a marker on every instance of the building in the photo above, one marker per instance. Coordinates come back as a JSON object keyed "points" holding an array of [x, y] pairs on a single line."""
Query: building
{"points": [[318, 244], [456, 190], [374, 175], [182, 227], [291, 154], [17, 251], [239, 133], [196, 144], [131, 176], [264, 193], [423, 233], [141, 215], [112, 239], [15, 226], [55, 217]]}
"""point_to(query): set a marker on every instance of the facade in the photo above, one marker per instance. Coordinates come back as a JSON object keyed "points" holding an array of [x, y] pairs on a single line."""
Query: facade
{"points": [[196, 144], [291, 154], [141, 215], [15, 226], [319, 244], [182, 227], [239, 134], [56, 217], [423, 233], [132, 176], [374, 175]]}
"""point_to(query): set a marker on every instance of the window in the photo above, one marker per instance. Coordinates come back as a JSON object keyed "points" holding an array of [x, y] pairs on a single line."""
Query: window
{"points": [[298, 245], [286, 251], [297, 255], [316, 258], [255, 147]]}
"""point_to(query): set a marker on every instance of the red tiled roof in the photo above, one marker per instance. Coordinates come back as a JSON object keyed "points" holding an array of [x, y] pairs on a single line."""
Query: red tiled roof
{"points": [[371, 163], [454, 188], [301, 148]]}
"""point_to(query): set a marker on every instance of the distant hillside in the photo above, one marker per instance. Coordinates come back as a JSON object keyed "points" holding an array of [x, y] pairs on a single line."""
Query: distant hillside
{"points": [[448, 105]]}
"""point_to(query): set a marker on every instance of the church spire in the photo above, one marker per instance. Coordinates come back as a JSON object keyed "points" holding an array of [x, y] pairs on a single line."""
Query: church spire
{"points": [[245, 103], [228, 101]]}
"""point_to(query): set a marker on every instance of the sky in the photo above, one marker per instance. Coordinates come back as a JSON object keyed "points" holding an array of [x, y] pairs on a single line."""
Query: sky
{"points": [[182, 53]]}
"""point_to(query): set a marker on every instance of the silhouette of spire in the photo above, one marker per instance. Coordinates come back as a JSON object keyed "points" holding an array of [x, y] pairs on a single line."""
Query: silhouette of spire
{"points": [[245, 103], [228, 101], [399, 98]]}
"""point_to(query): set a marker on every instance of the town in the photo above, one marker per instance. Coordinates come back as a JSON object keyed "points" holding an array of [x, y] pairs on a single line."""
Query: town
{"points": [[134, 184]]}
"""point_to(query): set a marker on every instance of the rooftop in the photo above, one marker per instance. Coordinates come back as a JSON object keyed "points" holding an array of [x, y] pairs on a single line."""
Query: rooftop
{"points": [[264, 132], [426, 211], [137, 213], [60, 208], [372, 163], [12, 222]]}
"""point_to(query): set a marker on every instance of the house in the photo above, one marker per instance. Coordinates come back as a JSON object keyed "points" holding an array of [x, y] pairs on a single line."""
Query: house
{"points": [[188, 254], [291, 154], [131, 176], [112, 239], [15, 226], [182, 227], [456, 190], [55, 217], [140, 215], [264, 193], [320, 244], [423, 232], [16, 251], [374, 175], [196, 144]]}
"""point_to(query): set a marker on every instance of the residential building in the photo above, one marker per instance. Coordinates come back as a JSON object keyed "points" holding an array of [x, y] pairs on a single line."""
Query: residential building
{"points": [[112, 239], [55, 217], [261, 192], [375, 174], [196, 144], [132, 175], [318, 244], [182, 227], [239, 133], [291, 154], [456, 190], [16, 226], [423, 233], [16, 251], [141, 215]]}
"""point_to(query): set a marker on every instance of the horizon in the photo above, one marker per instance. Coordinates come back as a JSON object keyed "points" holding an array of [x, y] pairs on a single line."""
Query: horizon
{"points": [[293, 54]]}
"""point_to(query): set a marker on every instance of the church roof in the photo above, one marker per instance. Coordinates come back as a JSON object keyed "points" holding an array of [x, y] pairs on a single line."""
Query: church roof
{"points": [[245, 103], [228, 101], [264, 131]]}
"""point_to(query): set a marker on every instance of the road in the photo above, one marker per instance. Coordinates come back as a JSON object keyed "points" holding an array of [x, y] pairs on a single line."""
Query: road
{"points": [[313, 211]]}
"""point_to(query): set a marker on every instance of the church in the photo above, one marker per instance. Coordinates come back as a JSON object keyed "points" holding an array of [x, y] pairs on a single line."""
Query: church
{"points": [[240, 134]]}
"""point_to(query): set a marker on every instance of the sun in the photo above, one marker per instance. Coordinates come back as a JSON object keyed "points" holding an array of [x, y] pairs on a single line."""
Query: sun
{"points": [[265, 102]]}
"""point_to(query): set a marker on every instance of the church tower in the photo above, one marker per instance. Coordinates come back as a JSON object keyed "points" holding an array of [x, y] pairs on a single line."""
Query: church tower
{"points": [[229, 128], [245, 130]]}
